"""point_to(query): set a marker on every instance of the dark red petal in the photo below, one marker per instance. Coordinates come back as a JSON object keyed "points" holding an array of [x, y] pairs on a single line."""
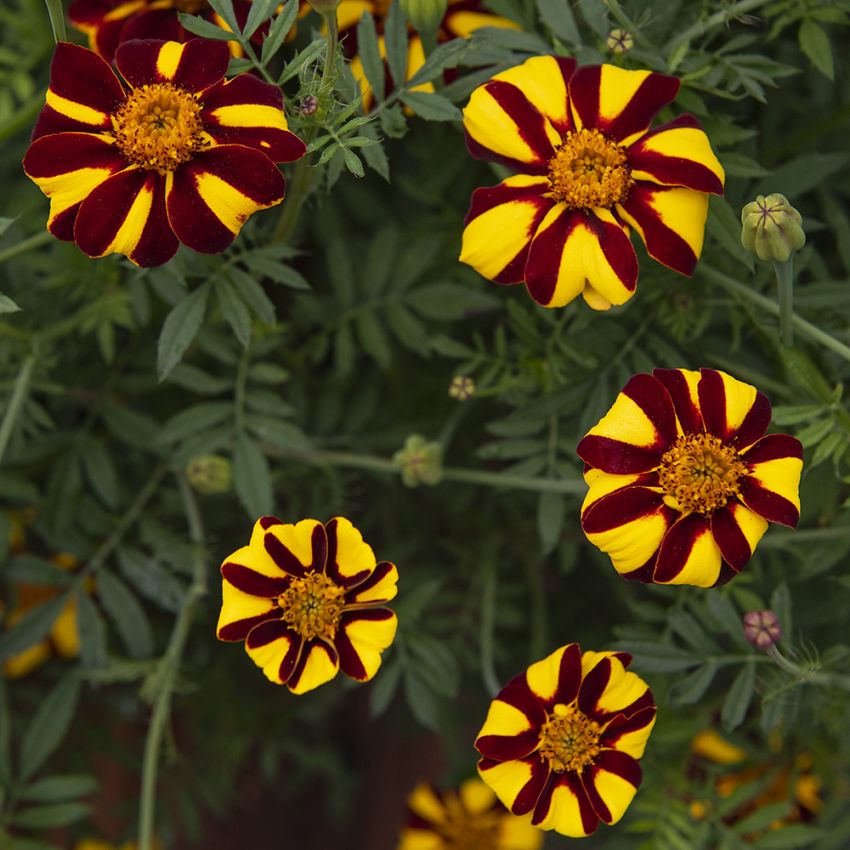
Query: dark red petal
{"points": [[530, 792], [770, 505], [266, 522], [332, 569], [571, 780], [202, 63], [158, 243], [773, 447], [686, 410], [251, 582], [296, 671], [593, 686], [158, 24], [381, 571], [620, 507], [616, 762], [81, 76], [273, 630], [283, 556], [734, 547], [677, 545], [239, 629], [349, 660], [624, 724], [62, 153]]}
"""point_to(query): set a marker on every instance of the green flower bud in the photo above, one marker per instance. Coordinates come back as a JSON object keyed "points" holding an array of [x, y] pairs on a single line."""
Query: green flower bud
{"points": [[772, 228], [462, 388], [425, 15], [619, 41], [420, 461], [209, 474]]}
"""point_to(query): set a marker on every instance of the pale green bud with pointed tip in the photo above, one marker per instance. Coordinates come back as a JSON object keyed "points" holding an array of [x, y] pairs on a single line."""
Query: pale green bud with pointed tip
{"points": [[425, 15], [209, 474], [772, 228], [419, 461]]}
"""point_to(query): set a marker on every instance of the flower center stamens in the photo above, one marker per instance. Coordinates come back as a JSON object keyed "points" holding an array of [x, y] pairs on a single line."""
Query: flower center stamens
{"points": [[159, 127], [589, 170], [312, 606], [569, 740], [463, 831], [701, 472]]}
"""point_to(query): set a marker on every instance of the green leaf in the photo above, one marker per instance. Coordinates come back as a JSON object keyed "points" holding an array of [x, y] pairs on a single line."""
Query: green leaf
{"points": [[253, 294], [234, 311], [5, 737], [447, 55], [32, 627], [7, 305], [551, 510], [126, 613], [49, 726], [193, 419], [803, 173], [449, 301], [352, 162], [384, 687], [279, 29], [595, 14], [100, 471], [260, 10], [59, 787], [657, 657], [151, 579], [431, 107], [251, 478], [280, 433], [739, 697], [396, 43], [49, 817], [763, 817], [179, 329], [225, 10], [780, 604], [57, 19], [725, 226], [558, 16], [687, 627], [92, 632], [420, 700], [814, 42], [373, 339], [689, 689], [788, 838], [370, 55], [203, 28]]}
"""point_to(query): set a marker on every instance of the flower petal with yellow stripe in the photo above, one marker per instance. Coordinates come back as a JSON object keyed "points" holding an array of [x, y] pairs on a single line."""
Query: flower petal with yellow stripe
{"points": [[561, 741], [178, 156], [582, 138], [682, 480], [308, 600]]}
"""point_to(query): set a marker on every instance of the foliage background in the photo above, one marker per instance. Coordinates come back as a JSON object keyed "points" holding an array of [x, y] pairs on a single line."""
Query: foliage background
{"points": [[309, 363]]}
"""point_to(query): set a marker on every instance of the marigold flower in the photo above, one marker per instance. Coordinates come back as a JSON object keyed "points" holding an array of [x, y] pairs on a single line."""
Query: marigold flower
{"points": [[177, 154], [108, 23], [589, 170], [307, 600], [470, 817], [682, 482], [562, 740]]}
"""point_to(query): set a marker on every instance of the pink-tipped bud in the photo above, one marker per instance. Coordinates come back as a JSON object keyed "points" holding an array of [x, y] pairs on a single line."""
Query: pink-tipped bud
{"points": [[762, 629]]}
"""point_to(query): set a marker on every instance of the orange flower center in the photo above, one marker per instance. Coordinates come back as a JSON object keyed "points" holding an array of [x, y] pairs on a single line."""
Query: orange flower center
{"points": [[312, 606], [464, 831], [159, 127], [569, 740], [701, 473], [589, 170]]}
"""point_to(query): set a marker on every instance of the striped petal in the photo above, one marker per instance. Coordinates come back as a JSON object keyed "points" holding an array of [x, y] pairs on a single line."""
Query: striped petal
{"points": [[512, 727], [732, 410], [689, 554], [350, 559], [564, 807], [602, 483], [361, 638], [544, 81], [517, 783], [293, 550], [611, 783], [247, 111], [737, 530], [681, 385], [275, 648], [194, 66], [501, 124], [380, 586], [240, 612], [608, 689], [670, 221], [158, 24], [677, 154], [317, 664], [635, 432], [580, 252], [772, 487], [556, 679], [620, 103], [629, 733], [126, 215], [67, 167], [211, 197], [82, 94], [500, 225]]}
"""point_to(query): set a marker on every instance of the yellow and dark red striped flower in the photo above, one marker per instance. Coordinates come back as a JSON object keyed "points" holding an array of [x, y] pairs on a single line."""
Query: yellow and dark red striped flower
{"points": [[177, 154], [589, 169], [108, 23], [683, 482], [463, 819], [562, 740], [308, 600]]}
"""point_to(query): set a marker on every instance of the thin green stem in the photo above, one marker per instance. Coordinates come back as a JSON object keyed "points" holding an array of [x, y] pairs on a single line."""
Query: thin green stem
{"points": [[488, 624], [169, 667], [807, 329], [717, 19], [16, 403], [807, 673], [785, 281], [35, 241]]}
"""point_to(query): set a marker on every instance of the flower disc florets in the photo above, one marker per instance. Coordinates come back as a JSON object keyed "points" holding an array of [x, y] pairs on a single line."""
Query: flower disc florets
{"points": [[313, 606], [569, 739]]}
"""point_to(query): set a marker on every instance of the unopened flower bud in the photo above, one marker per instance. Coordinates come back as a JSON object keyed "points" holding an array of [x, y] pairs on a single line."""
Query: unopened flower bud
{"points": [[309, 105], [772, 228], [420, 461], [619, 41], [462, 388], [209, 474], [425, 15], [762, 629]]}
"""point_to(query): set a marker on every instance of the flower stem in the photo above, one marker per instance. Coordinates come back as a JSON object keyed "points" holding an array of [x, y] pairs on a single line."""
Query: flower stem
{"points": [[35, 241], [169, 667], [785, 280], [807, 673], [16, 403], [717, 19], [807, 329]]}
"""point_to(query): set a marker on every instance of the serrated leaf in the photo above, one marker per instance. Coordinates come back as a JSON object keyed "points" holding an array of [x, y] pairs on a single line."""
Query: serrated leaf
{"points": [[558, 16], [100, 471], [280, 433], [50, 817], [224, 8], [259, 11], [251, 478], [92, 631], [48, 727], [234, 311], [352, 162], [689, 689], [253, 294], [814, 42], [194, 419], [420, 700], [278, 30], [396, 43], [431, 107], [151, 579], [373, 339], [59, 788], [179, 329], [790, 837], [550, 519], [370, 56], [203, 27], [803, 173], [739, 697], [656, 657], [447, 55], [126, 613]]}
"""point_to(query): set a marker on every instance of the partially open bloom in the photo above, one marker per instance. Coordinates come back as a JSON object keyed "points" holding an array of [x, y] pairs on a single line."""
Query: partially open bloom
{"points": [[589, 169], [108, 23], [308, 599], [469, 818], [562, 740], [420, 461], [176, 154], [682, 481]]}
